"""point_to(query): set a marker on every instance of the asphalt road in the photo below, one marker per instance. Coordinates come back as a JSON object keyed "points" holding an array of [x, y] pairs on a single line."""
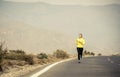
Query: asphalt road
{"points": [[89, 67]]}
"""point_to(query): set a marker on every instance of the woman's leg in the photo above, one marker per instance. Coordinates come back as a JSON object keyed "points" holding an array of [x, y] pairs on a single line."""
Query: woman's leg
{"points": [[81, 52], [78, 50]]}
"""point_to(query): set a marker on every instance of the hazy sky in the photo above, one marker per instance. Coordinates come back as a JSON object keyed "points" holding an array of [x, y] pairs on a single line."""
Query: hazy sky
{"points": [[82, 2]]}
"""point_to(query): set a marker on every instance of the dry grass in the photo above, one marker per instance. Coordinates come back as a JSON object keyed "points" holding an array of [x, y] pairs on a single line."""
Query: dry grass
{"points": [[16, 61]]}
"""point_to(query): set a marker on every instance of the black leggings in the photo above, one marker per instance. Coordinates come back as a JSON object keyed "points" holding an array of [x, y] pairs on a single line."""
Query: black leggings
{"points": [[80, 52]]}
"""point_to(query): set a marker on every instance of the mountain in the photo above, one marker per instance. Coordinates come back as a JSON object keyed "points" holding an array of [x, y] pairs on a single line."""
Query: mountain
{"points": [[99, 24], [19, 35]]}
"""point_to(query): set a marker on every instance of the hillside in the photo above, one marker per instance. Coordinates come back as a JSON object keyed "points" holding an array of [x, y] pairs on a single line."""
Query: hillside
{"points": [[18, 35]]}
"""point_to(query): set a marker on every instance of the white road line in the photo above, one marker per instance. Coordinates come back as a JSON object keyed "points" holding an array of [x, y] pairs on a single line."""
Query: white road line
{"points": [[110, 60], [48, 67]]}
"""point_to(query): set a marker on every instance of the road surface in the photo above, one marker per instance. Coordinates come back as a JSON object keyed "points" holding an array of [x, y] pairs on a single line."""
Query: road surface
{"points": [[89, 67]]}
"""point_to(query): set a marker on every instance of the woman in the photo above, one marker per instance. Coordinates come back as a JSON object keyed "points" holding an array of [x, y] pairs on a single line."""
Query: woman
{"points": [[80, 43]]}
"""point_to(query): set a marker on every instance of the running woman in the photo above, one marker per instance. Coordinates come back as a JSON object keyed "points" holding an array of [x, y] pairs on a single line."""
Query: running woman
{"points": [[80, 41]]}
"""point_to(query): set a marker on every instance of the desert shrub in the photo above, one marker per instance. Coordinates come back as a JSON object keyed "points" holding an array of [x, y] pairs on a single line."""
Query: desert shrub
{"points": [[42, 56], [99, 54], [21, 57], [88, 53], [93, 54], [29, 59], [17, 51], [15, 55], [12, 56], [43, 61], [50, 59], [36, 60], [2, 53], [61, 54], [14, 62]]}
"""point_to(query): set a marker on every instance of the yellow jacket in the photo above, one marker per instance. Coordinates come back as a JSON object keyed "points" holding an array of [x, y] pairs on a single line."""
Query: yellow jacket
{"points": [[80, 42]]}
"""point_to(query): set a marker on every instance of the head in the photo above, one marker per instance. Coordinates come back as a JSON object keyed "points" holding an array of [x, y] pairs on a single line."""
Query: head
{"points": [[80, 35]]}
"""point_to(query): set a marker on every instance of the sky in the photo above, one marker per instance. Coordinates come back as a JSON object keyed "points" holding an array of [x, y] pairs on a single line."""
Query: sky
{"points": [[73, 2]]}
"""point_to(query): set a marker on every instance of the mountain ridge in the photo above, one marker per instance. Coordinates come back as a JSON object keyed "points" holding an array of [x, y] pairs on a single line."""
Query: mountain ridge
{"points": [[18, 35], [46, 3]]}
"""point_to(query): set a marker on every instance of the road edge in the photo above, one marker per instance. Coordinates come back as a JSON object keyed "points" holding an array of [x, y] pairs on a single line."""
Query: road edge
{"points": [[49, 67]]}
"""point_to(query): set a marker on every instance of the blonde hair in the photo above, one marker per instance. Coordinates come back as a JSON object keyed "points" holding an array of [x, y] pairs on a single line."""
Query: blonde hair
{"points": [[80, 34]]}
